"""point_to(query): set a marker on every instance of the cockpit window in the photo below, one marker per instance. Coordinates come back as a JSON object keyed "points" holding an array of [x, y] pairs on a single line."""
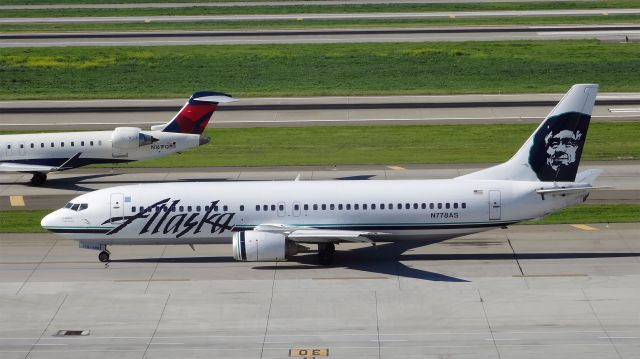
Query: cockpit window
{"points": [[76, 206]]}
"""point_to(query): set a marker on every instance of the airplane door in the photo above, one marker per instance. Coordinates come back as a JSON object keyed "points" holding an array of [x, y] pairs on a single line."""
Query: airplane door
{"points": [[21, 149], [495, 207], [296, 209], [117, 207], [281, 210], [9, 149]]}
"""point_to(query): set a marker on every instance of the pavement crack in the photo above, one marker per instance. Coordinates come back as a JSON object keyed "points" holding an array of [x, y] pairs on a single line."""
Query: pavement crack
{"points": [[155, 330], [37, 266], [486, 318], [47, 327], [266, 327], [606, 332], [154, 271], [375, 295]]}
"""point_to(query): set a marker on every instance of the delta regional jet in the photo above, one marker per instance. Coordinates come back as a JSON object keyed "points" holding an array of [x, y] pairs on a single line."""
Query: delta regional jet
{"points": [[42, 153], [270, 221]]}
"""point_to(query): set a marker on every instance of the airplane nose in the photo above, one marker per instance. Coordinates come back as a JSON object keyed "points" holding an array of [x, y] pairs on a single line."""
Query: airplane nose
{"points": [[204, 140], [51, 220]]}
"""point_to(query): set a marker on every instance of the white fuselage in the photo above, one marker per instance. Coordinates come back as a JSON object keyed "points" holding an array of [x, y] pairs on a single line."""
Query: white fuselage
{"points": [[52, 149], [191, 213]]}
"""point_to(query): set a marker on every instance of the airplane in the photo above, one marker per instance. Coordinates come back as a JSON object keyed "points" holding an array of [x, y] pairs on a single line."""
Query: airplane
{"points": [[272, 221], [42, 153]]}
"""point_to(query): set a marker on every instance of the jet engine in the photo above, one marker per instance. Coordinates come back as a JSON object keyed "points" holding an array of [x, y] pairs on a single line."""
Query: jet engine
{"points": [[130, 138], [256, 246]]}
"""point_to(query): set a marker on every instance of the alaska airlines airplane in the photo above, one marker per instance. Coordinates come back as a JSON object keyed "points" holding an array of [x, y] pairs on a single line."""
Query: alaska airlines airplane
{"points": [[270, 221], [42, 153]]}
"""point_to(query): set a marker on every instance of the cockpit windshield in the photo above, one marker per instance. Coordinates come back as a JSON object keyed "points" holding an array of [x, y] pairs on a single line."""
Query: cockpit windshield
{"points": [[76, 206]]}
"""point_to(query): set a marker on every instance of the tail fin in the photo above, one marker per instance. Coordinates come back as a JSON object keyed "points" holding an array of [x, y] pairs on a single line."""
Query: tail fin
{"points": [[553, 151], [195, 114]]}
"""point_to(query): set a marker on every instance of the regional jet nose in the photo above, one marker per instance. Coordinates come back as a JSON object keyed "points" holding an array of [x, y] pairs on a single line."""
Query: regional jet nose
{"points": [[52, 220]]}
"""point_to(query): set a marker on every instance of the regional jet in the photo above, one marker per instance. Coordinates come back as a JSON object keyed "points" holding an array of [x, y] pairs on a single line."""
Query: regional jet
{"points": [[42, 153], [272, 221]]}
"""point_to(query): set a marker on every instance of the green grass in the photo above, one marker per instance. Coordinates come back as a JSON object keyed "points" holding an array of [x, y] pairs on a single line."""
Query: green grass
{"points": [[321, 24], [594, 213], [345, 8], [317, 69], [22, 221], [343, 145], [29, 221]]}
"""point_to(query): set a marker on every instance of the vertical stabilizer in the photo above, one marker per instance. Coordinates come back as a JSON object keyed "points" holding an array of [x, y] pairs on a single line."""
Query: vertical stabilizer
{"points": [[552, 153], [195, 114]]}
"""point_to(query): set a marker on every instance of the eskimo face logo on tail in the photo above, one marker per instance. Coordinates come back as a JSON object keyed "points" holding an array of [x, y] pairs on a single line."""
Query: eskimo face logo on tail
{"points": [[557, 147]]}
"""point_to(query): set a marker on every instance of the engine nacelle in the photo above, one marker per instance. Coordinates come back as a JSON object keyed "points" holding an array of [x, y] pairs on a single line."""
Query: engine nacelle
{"points": [[257, 246], [130, 138]]}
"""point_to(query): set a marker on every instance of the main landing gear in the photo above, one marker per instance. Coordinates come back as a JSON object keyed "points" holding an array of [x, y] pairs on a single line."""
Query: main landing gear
{"points": [[103, 256], [326, 253], [39, 178]]}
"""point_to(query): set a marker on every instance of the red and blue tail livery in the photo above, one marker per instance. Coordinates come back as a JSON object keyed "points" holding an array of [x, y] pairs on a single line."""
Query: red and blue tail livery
{"points": [[196, 113]]}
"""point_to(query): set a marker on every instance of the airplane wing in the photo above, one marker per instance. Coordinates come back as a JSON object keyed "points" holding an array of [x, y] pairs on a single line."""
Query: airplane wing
{"points": [[317, 235], [23, 167]]}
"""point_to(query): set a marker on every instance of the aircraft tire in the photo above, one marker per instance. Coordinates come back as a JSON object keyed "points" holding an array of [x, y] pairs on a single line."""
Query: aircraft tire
{"points": [[326, 253], [38, 179], [103, 256]]}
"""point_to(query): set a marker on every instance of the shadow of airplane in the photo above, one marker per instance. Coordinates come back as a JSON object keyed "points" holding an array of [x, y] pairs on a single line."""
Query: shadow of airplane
{"points": [[355, 178], [389, 259]]}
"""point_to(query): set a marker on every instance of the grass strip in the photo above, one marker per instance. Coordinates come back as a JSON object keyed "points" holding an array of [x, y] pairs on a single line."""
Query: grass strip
{"points": [[315, 9], [317, 69], [345, 145], [23, 221], [594, 213], [26, 221], [321, 24]]}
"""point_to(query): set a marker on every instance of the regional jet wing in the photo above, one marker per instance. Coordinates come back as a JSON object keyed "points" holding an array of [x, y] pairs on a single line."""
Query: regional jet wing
{"points": [[21, 167], [317, 235]]}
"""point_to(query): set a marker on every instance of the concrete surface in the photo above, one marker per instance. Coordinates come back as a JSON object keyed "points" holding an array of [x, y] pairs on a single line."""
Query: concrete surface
{"points": [[525, 292]]}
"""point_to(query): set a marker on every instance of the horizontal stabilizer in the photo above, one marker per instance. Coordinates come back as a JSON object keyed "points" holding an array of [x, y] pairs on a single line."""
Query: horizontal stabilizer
{"points": [[588, 176], [569, 190], [20, 167]]}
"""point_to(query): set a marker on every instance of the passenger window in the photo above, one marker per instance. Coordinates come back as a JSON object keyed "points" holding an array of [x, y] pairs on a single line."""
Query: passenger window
{"points": [[81, 143], [8, 147], [265, 207], [189, 208], [315, 207], [61, 144], [373, 206], [424, 206], [399, 206], [407, 206], [415, 206], [72, 143], [273, 207], [181, 208], [324, 207], [447, 205], [340, 206], [42, 145], [364, 206], [257, 208], [355, 206], [241, 208], [439, 205], [32, 145], [390, 206], [431, 205], [306, 207], [381, 205], [296, 207], [332, 206], [225, 208], [21, 146], [52, 145], [455, 206], [90, 143], [348, 206], [134, 209], [198, 208], [280, 207], [464, 205]]}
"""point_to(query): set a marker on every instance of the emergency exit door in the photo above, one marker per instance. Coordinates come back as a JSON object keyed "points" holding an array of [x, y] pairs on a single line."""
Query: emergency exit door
{"points": [[495, 207], [117, 207]]}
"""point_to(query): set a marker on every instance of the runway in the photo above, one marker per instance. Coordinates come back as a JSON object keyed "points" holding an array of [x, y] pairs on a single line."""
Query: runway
{"points": [[164, 38], [622, 176], [309, 111], [524, 292]]}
